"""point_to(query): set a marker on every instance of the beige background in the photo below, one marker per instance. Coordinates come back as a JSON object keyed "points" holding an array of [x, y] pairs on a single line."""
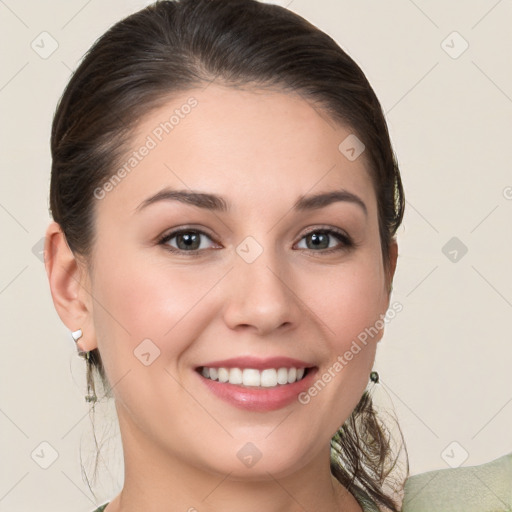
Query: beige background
{"points": [[445, 360]]}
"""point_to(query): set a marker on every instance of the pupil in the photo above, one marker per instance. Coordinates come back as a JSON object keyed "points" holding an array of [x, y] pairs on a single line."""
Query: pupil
{"points": [[315, 238], [189, 240]]}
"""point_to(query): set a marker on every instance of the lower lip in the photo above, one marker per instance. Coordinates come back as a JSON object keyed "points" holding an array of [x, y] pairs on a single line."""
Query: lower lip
{"points": [[259, 399]]}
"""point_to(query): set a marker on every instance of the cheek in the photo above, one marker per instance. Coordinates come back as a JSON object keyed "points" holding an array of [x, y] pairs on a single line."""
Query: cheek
{"points": [[351, 310], [155, 310], [147, 300], [349, 301]]}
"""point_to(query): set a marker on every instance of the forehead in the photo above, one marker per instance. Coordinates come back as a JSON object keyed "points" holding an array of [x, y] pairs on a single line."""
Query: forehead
{"points": [[245, 144]]}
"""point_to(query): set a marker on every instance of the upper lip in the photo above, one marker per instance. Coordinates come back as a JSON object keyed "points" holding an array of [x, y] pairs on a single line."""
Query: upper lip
{"points": [[258, 363]]}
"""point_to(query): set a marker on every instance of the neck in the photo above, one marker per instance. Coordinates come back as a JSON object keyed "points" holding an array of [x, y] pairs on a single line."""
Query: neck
{"points": [[156, 481]]}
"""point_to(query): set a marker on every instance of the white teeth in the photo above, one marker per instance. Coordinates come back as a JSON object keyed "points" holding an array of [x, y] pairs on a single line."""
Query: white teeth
{"points": [[282, 376], [267, 378], [223, 375], [235, 376], [251, 377]]}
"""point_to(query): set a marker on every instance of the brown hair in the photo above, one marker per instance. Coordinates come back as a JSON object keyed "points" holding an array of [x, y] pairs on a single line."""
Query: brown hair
{"points": [[172, 46]]}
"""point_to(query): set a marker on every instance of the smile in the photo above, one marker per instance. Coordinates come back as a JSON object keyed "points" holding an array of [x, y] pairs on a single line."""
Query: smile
{"points": [[256, 390], [251, 377]]}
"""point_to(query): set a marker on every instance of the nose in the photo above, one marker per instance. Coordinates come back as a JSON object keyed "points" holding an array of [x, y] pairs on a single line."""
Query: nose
{"points": [[261, 295]]}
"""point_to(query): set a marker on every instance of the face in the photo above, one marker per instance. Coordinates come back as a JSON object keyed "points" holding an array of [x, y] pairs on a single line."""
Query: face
{"points": [[259, 284]]}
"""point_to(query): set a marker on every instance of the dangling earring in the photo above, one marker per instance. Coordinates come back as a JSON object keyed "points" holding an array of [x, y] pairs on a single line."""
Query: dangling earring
{"points": [[374, 377], [90, 397]]}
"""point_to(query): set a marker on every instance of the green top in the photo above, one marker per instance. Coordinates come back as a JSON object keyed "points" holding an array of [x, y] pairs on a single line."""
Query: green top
{"points": [[483, 488]]}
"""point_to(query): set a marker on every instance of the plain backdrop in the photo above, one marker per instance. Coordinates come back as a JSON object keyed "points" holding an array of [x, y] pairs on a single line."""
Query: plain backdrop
{"points": [[442, 71]]}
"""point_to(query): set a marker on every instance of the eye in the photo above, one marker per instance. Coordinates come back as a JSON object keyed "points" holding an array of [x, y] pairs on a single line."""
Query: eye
{"points": [[321, 238], [317, 240], [187, 240]]}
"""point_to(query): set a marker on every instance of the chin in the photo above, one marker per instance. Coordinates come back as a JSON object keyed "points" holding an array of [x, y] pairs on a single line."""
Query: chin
{"points": [[252, 461]]}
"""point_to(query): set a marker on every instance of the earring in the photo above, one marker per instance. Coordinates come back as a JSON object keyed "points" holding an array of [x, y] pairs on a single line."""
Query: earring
{"points": [[90, 397], [374, 377], [76, 335]]}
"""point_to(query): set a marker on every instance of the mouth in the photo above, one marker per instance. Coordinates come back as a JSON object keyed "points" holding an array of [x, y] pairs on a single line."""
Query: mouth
{"points": [[257, 390], [255, 378]]}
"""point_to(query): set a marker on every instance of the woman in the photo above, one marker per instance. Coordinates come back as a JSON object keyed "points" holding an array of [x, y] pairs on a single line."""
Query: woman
{"points": [[225, 201]]}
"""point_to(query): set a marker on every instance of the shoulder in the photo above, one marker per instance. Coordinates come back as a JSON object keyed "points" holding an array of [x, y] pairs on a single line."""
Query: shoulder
{"points": [[483, 488]]}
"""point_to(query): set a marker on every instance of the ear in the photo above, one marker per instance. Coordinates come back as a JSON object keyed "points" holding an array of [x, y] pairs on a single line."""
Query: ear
{"points": [[69, 286], [393, 256], [390, 273]]}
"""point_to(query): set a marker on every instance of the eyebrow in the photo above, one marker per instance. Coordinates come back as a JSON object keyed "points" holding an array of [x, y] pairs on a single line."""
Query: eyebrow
{"points": [[217, 203]]}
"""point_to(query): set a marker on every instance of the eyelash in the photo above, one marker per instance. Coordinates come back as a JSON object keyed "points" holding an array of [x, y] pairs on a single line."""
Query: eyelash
{"points": [[346, 242]]}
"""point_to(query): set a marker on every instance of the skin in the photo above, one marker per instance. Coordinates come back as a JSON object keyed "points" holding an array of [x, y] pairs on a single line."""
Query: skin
{"points": [[260, 150]]}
